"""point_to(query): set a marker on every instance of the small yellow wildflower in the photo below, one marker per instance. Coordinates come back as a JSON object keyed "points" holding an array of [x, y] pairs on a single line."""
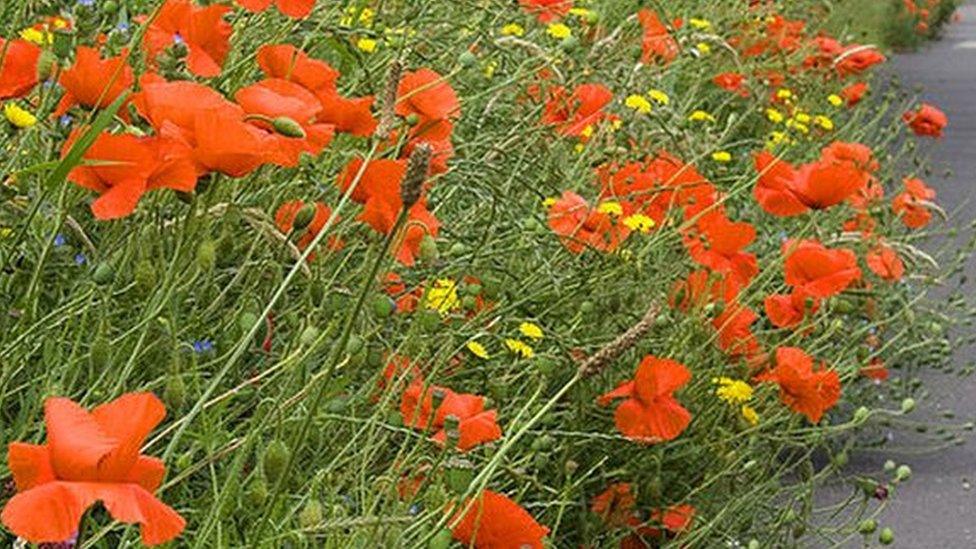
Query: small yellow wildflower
{"points": [[5, 232], [365, 17], [639, 222], [722, 156], [802, 117], [701, 116], [519, 348], [659, 96], [18, 116], [477, 350], [784, 94], [548, 202], [775, 138], [582, 13], [513, 29], [587, 131], [824, 122], [36, 36], [703, 48], [559, 31], [616, 125], [835, 100], [490, 67], [579, 148], [797, 125], [774, 116], [442, 296], [531, 330], [750, 415], [732, 391], [367, 45], [638, 103], [610, 207], [700, 24]]}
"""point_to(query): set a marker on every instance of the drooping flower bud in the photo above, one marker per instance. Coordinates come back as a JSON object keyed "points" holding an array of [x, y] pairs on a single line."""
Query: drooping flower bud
{"points": [[288, 127], [304, 216]]}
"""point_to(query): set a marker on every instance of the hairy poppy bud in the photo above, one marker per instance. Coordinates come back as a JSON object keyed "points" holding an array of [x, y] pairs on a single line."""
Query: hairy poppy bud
{"points": [[304, 216], [903, 473], [174, 394], [441, 540], [62, 43], [886, 537], [145, 277], [861, 414], [207, 255], [109, 7], [45, 65], [907, 405], [309, 336], [355, 344], [383, 306], [311, 515], [276, 457], [413, 180], [467, 59], [103, 274], [753, 544], [257, 492], [288, 127], [428, 249], [100, 353], [458, 476], [867, 526]]}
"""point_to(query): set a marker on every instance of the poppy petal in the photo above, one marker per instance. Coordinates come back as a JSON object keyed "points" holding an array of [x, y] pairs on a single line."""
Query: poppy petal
{"points": [[30, 465]]}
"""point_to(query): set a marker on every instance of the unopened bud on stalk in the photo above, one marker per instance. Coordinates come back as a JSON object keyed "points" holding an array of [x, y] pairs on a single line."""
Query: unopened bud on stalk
{"points": [[452, 428], [902, 473], [907, 405], [304, 216], [867, 526], [887, 536], [413, 181], [288, 127], [311, 515], [275, 458], [45, 65]]}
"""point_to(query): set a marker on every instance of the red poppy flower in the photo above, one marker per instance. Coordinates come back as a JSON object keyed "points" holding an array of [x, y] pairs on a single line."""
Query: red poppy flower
{"points": [[717, 242], [650, 413], [789, 310], [428, 95], [819, 271], [406, 302], [657, 44], [670, 522], [884, 262], [18, 67], [93, 81], [734, 328], [784, 191], [853, 93], [90, 457], [296, 9], [475, 425], [420, 223], [579, 226], [547, 11], [875, 370], [615, 505], [926, 121], [285, 221], [579, 112], [202, 29], [271, 100], [804, 389], [733, 82], [911, 204], [856, 59], [133, 165], [701, 288]]}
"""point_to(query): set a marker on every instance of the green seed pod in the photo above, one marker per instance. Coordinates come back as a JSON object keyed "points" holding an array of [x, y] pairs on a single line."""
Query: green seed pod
{"points": [[867, 526], [903, 473], [383, 306], [276, 457], [246, 321], [288, 127], [467, 59], [257, 492], [861, 414], [207, 255], [587, 307], [753, 544], [428, 249], [109, 7], [457, 479], [473, 289], [145, 277], [413, 119], [355, 344], [441, 540], [174, 394], [103, 274], [311, 515], [304, 216], [100, 353], [469, 303], [907, 405], [309, 336], [458, 248], [886, 537]]}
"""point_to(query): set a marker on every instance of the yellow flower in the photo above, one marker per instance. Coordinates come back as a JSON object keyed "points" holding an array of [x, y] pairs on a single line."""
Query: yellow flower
{"points": [[797, 125], [36, 36], [531, 330], [489, 68], [519, 348], [722, 156], [659, 96], [835, 100], [639, 222], [582, 13], [802, 118], [18, 116], [775, 138], [367, 45], [700, 24], [366, 17], [5, 232], [732, 391], [750, 415], [579, 148], [513, 29], [559, 31], [703, 48], [701, 116], [610, 207], [477, 350], [774, 116], [587, 131], [824, 122], [784, 93], [548, 202], [442, 296], [638, 103]]}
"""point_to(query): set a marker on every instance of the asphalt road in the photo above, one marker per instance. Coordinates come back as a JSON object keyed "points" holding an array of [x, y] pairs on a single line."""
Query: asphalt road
{"points": [[937, 507]]}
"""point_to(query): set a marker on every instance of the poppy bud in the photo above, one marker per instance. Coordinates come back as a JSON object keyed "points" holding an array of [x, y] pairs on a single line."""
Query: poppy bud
{"points": [[467, 59], [903, 473], [457, 477], [753, 544], [861, 414], [441, 540], [413, 180], [428, 249], [452, 428], [103, 274], [145, 277], [304, 216], [309, 336], [246, 321], [288, 127], [207, 255], [62, 43], [570, 466], [45, 65], [544, 442], [383, 306], [473, 289], [257, 492], [336, 405], [867, 526], [100, 353], [469, 303], [886, 537], [276, 457], [354, 344], [413, 119], [311, 515], [841, 459], [907, 405], [174, 393], [109, 7]]}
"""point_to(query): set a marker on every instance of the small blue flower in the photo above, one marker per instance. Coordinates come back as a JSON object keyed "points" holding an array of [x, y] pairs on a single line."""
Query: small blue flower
{"points": [[65, 120], [80, 259], [123, 26], [59, 240], [86, 3], [201, 346], [414, 509], [177, 39]]}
